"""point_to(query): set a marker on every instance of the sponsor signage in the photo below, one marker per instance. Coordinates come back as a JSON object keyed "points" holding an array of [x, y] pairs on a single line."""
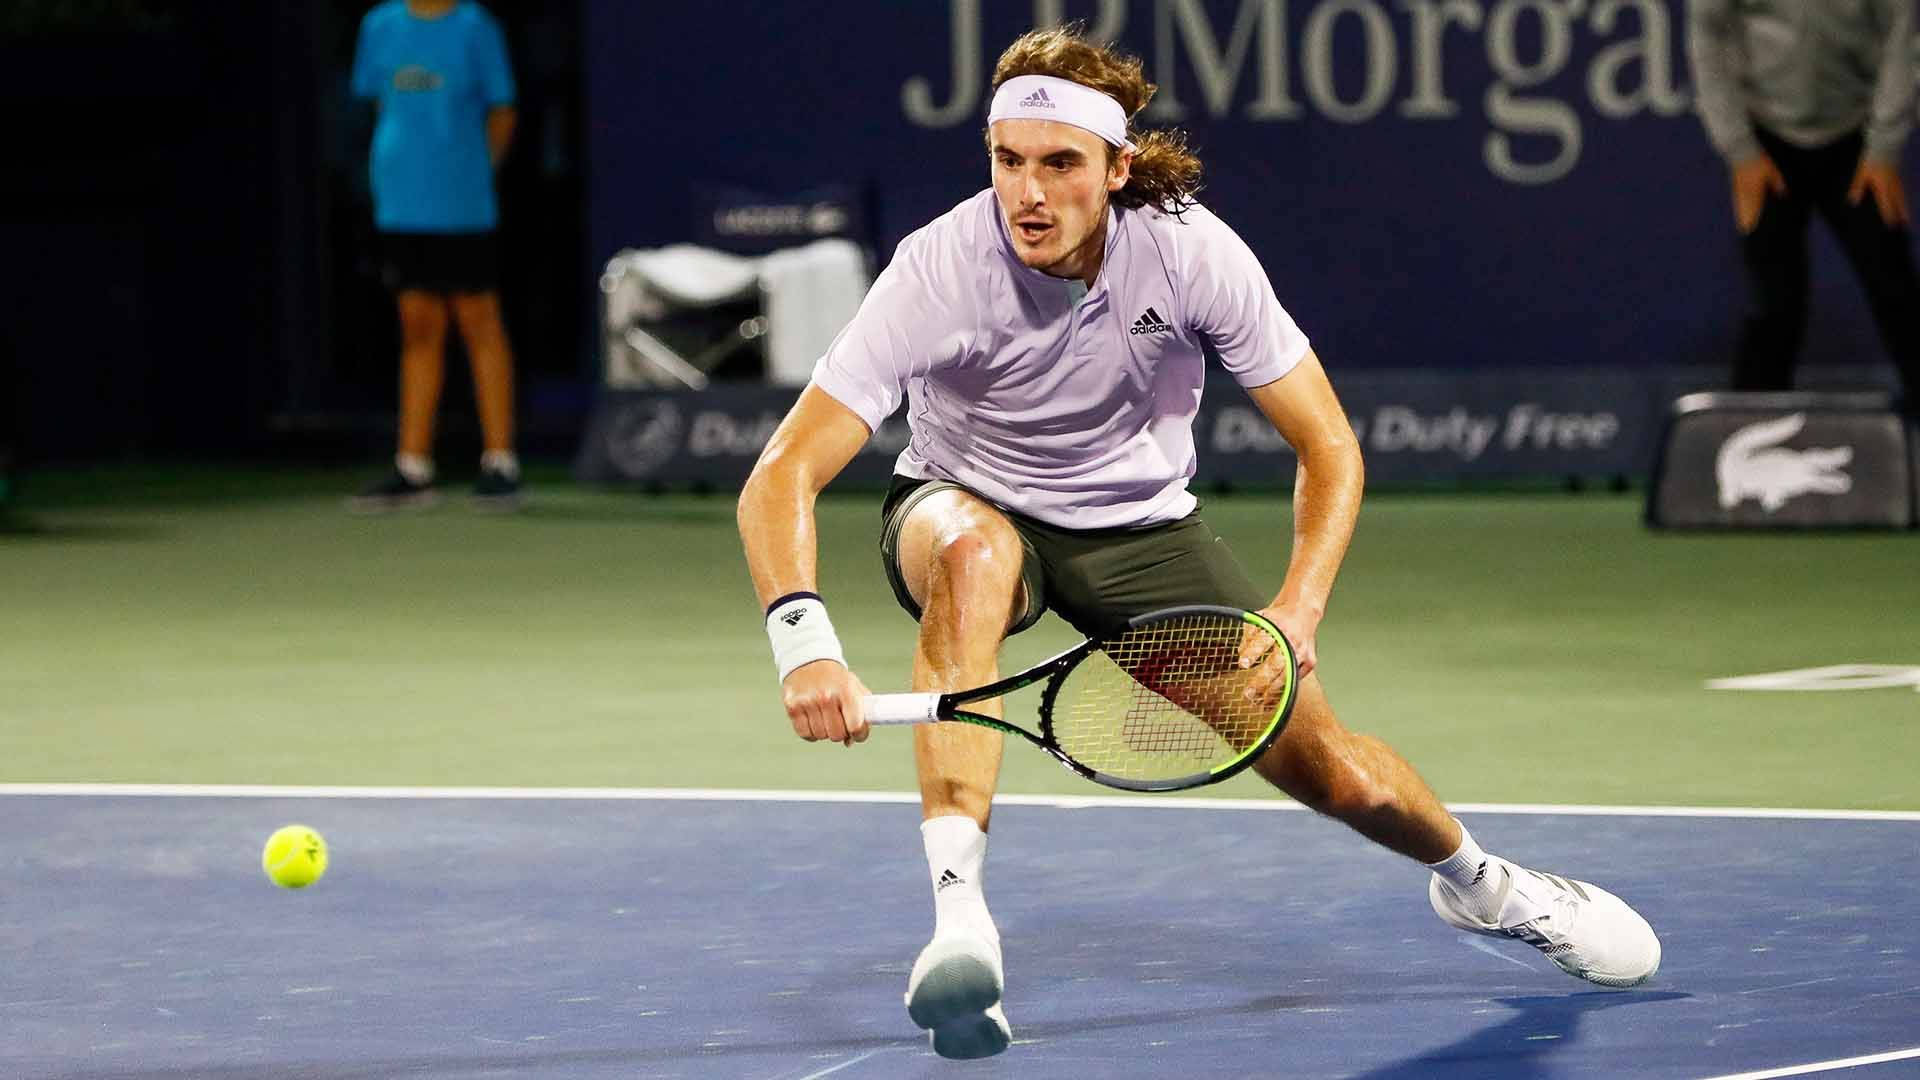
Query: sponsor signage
{"points": [[1441, 184], [1414, 428], [756, 223], [1784, 461]]}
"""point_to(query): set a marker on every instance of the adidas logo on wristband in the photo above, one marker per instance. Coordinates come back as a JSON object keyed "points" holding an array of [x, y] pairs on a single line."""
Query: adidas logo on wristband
{"points": [[801, 633]]}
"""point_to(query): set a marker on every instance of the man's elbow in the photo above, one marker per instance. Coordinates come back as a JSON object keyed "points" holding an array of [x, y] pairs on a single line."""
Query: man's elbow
{"points": [[775, 472], [1334, 453]]}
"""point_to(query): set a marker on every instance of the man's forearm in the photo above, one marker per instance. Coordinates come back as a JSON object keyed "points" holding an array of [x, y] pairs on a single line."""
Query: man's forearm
{"points": [[1326, 504], [775, 515]]}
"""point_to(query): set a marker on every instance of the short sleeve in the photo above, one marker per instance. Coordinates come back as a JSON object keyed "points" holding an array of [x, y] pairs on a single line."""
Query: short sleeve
{"points": [[1231, 303], [496, 72], [875, 356], [366, 81]]}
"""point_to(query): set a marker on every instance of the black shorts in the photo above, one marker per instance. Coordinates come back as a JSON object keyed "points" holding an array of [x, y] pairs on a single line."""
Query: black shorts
{"points": [[1096, 579], [440, 262]]}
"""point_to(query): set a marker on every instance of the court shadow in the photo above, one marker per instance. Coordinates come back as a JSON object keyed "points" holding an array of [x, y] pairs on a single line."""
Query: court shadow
{"points": [[1525, 1043], [636, 511], [19, 529]]}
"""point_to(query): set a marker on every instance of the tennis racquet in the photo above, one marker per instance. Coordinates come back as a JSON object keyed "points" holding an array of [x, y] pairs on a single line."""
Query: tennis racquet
{"points": [[1160, 706]]}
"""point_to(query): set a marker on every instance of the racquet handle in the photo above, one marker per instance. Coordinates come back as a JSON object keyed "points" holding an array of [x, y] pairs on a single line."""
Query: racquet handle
{"points": [[901, 708]]}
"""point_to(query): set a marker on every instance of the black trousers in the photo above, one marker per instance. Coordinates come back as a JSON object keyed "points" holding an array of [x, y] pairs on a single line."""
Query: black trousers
{"points": [[1777, 260]]}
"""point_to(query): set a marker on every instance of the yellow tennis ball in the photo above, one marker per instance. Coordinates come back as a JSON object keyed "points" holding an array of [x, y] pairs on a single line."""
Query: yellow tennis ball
{"points": [[295, 857]]}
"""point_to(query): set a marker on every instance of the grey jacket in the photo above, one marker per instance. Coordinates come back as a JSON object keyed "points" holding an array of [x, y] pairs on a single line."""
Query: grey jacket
{"points": [[1809, 71]]}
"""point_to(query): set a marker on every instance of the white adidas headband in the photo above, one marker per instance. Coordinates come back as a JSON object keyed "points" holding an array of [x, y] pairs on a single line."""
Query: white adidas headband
{"points": [[1043, 97]]}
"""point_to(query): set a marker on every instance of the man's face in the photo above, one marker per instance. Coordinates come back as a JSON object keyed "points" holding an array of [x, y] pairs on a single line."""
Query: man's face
{"points": [[1052, 181]]}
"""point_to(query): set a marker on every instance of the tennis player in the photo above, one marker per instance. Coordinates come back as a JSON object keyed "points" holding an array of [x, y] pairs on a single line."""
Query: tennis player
{"points": [[1048, 336]]}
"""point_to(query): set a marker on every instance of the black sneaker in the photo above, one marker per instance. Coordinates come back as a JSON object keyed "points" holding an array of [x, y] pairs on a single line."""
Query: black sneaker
{"points": [[495, 489], [396, 492]]}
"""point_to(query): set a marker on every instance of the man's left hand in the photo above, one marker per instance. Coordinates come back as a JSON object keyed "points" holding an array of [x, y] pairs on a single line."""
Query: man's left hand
{"points": [[1298, 625], [1882, 181]]}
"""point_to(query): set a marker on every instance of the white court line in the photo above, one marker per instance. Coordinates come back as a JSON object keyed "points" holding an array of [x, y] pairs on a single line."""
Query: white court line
{"points": [[1824, 1066], [829, 1070], [1066, 802]]}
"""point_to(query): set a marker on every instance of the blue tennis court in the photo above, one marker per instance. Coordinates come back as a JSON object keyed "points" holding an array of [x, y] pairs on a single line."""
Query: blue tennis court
{"points": [[741, 935]]}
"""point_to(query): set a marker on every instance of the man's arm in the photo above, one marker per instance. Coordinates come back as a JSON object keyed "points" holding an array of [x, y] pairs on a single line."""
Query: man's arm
{"points": [[1890, 120], [775, 513], [500, 122], [1717, 53], [1893, 92], [1303, 408]]}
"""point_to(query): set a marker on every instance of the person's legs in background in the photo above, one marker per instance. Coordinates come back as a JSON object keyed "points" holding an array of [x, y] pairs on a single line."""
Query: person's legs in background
{"points": [[1882, 256], [423, 363], [423, 371], [483, 331], [1775, 254]]}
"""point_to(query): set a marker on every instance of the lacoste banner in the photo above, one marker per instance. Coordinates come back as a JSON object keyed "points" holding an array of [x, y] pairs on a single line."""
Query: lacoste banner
{"points": [[1414, 428], [1784, 461], [1432, 184]]}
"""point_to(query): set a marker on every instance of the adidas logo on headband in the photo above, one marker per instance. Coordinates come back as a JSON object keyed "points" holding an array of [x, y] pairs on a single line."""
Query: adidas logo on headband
{"points": [[1065, 102]]}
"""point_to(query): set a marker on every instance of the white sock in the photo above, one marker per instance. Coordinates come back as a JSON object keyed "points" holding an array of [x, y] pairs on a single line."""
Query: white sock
{"points": [[956, 862], [505, 462], [1475, 877], [416, 469]]}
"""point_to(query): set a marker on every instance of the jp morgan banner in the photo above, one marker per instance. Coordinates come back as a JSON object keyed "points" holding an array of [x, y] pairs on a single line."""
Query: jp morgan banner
{"points": [[1415, 430], [1432, 184]]}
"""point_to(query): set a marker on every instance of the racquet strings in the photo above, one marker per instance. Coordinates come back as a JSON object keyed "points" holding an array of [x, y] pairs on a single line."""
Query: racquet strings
{"points": [[1163, 701]]}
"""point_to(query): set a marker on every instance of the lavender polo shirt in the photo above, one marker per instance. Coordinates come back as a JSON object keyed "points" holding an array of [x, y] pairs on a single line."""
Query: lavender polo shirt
{"points": [[1076, 410]]}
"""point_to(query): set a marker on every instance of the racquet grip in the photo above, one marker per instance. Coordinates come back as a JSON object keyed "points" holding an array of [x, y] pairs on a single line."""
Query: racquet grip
{"points": [[901, 708]]}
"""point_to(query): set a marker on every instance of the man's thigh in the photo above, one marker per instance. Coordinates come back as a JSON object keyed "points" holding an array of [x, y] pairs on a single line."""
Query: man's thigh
{"points": [[919, 519], [1097, 581]]}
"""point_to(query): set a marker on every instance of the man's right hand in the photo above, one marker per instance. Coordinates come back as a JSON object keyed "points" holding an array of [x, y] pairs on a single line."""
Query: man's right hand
{"points": [[823, 701], [1753, 179]]}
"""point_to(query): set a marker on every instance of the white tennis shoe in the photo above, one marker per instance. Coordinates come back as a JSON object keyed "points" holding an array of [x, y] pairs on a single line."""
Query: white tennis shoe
{"points": [[954, 992], [1587, 931]]}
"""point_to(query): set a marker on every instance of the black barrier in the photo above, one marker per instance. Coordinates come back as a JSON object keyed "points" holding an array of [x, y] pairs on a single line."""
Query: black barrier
{"points": [[1784, 460], [1415, 428], [1913, 469]]}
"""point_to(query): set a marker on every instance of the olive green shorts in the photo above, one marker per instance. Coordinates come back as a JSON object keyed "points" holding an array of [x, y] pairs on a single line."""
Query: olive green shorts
{"points": [[1096, 579]]}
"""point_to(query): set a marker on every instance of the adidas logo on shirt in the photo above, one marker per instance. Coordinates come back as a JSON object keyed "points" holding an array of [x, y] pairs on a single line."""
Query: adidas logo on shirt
{"points": [[1150, 323], [1038, 100], [948, 877]]}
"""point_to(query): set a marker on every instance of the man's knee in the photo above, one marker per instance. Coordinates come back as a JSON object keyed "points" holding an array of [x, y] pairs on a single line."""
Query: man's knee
{"points": [[974, 561], [1323, 766], [954, 547], [1345, 789], [423, 317], [477, 313]]}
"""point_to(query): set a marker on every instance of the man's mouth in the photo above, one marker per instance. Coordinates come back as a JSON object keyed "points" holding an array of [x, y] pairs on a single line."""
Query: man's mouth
{"points": [[1032, 231]]}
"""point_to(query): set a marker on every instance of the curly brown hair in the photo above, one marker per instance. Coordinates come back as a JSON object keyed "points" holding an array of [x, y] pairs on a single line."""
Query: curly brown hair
{"points": [[1165, 173]]}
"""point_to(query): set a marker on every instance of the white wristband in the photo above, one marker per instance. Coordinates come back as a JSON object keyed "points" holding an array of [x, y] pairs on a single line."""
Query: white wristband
{"points": [[801, 633]]}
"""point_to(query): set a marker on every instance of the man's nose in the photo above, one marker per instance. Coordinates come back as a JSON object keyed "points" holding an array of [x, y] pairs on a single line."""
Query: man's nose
{"points": [[1031, 191]]}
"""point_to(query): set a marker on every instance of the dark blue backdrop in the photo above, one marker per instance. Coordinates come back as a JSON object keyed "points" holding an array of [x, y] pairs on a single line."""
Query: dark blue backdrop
{"points": [[1430, 183]]}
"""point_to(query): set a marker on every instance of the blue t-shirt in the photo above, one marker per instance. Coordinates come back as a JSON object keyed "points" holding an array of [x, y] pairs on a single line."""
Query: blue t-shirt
{"points": [[435, 80]]}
